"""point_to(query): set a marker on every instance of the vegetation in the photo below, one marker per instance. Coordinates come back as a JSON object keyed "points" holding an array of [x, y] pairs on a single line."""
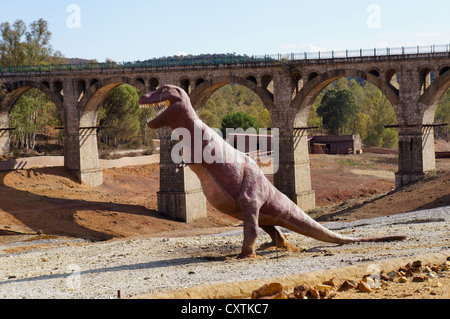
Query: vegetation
{"points": [[34, 112], [235, 99], [339, 112], [443, 116], [119, 114], [375, 112], [238, 120], [22, 46]]}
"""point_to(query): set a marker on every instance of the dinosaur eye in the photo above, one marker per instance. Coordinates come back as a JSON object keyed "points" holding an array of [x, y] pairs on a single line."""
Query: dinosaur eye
{"points": [[164, 90]]}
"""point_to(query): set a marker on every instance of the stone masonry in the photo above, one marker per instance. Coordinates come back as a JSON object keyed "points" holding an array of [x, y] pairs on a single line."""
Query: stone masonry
{"points": [[414, 85]]}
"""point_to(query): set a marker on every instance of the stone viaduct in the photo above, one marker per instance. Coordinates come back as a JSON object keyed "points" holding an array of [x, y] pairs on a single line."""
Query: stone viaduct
{"points": [[413, 83]]}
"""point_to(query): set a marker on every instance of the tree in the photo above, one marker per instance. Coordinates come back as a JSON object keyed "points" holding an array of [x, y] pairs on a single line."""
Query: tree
{"points": [[264, 119], [238, 120], [120, 114], [144, 115], [12, 49], [34, 110], [339, 111], [234, 98], [443, 116], [31, 114], [21, 47]]}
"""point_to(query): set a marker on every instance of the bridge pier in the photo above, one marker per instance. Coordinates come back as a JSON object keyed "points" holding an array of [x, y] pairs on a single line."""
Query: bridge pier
{"points": [[293, 177], [180, 196], [416, 155], [4, 135], [80, 144]]}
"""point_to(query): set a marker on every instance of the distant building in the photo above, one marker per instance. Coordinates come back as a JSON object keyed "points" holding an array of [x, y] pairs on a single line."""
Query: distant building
{"points": [[333, 144]]}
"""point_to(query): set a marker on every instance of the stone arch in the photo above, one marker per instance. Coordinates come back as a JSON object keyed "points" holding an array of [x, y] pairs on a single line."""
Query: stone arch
{"points": [[201, 94], [430, 99], [426, 76], [81, 88], [306, 97], [267, 83], [252, 78], [153, 84], [312, 76], [185, 84], [391, 78], [16, 89], [96, 94], [199, 81], [140, 80], [297, 82], [444, 70], [375, 72]]}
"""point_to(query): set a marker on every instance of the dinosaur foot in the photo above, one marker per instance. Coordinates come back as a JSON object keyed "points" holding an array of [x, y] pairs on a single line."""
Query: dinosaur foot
{"points": [[284, 246], [248, 256]]}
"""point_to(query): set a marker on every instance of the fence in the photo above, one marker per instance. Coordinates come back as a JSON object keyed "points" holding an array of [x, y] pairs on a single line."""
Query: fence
{"points": [[192, 61]]}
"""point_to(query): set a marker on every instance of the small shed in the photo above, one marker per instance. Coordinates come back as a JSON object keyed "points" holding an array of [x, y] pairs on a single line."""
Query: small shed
{"points": [[335, 144]]}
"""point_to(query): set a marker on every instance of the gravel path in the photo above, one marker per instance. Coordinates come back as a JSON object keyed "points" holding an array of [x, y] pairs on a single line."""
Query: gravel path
{"points": [[67, 268]]}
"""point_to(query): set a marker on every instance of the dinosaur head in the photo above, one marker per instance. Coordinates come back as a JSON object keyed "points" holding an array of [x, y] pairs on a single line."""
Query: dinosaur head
{"points": [[172, 105]]}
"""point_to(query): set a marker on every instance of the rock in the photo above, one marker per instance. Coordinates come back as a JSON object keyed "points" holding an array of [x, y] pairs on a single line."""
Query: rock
{"points": [[417, 264], [347, 285], [385, 277], [334, 282], [372, 283], [314, 293], [273, 289], [323, 290], [402, 279], [419, 279], [301, 291], [392, 274], [323, 287], [364, 286], [432, 274]]}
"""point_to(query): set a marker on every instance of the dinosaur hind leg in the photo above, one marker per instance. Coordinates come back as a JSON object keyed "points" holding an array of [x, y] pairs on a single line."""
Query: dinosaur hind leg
{"points": [[278, 240]]}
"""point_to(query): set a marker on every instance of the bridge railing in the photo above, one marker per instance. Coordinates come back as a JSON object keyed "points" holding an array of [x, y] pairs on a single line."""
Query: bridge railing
{"points": [[192, 61]]}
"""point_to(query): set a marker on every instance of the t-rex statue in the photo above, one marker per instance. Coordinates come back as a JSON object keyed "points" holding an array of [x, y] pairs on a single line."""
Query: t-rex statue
{"points": [[236, 186]]}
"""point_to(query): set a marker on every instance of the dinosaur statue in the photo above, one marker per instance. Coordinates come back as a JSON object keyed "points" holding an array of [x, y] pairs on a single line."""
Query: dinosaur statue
{"points": [[237, 187]]}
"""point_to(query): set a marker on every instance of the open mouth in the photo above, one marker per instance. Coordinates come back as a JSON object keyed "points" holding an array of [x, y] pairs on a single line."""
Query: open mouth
{"points": [[160, 108]]}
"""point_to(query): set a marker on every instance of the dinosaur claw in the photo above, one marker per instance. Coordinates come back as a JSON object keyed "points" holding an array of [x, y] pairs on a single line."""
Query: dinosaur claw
{"points": [[286, 246], [247, 256]]}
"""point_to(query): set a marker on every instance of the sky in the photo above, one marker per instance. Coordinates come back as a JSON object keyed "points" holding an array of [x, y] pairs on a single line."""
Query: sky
{"points": [[132, 30]]}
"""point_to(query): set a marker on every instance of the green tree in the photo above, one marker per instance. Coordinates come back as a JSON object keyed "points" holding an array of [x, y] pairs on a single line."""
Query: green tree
{"points": [[238, 120], [443, 116], [264, 119], [12, 47], [234, 98], [147, 133], [339, 111], [120, 114], [31, 114], [443, 110], [21, 47], [34, 111]]}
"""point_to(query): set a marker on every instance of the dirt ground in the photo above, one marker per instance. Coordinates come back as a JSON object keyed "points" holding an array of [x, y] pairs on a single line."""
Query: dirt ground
{"points": [[50, 202]]}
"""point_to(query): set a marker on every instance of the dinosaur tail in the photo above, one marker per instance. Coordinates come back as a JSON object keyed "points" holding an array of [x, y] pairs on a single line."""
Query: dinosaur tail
{"points": [[379, 239], [301, 223]]}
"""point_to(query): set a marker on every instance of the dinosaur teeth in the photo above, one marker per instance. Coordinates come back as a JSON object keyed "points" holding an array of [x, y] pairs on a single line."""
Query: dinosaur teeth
{"points": [[155, 105], [160, 108]]}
